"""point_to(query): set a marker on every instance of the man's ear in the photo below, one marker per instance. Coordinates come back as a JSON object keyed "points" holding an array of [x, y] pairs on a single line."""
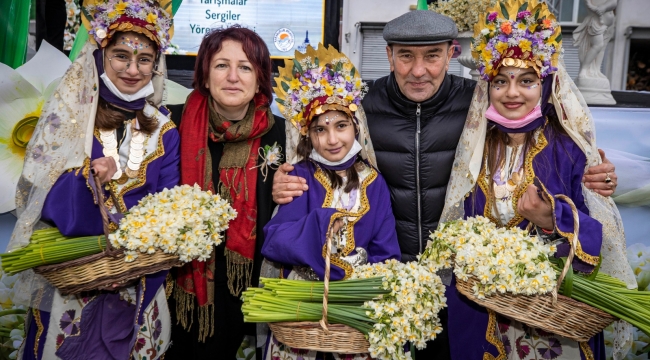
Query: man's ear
{"points": [[450, 53], [389, 54]]}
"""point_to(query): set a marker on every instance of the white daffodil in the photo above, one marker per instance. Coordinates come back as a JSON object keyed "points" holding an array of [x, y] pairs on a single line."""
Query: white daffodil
{"points": [[22, 94]]}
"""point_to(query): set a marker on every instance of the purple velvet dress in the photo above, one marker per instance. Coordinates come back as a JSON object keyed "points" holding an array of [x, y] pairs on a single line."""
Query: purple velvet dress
{"points": [[295, 237], [108, 327], [473, 331]]}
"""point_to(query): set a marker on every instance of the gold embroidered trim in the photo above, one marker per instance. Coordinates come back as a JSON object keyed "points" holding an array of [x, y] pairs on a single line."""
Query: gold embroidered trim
{"points": [[169, 285], [529, 172], [586, 350], [589, 259], [329, 192], [363, 209], [39, 332], [492, 338]]}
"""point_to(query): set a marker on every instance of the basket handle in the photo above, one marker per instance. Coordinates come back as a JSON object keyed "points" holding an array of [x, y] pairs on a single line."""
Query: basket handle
{"points": [[572, 250], [106, 215], [326, 282]]}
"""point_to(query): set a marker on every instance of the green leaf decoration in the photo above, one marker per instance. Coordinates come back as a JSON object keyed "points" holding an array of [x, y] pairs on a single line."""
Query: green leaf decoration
{"points": [[144, 328], [523, 7], [504, 11], [280, 101], [558, 38], [537, 14], [296, 65], [285, 86], [316, 62], [353, 71], [338, 67], [593, 274], [287, 78]]}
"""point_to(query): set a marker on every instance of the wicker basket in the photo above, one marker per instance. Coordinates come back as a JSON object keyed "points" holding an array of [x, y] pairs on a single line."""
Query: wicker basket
{"points": [[321, 336], [569, 318], [103, 270], [553, 312]]}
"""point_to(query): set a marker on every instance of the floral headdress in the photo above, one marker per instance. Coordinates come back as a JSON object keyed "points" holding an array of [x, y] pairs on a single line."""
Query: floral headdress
{"points": [[152, 18], [517, 33], [315, 82]]}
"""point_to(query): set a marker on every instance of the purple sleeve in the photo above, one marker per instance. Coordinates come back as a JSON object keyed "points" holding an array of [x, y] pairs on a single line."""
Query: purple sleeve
{"points": [[384, 244], [169, 170], [296, 235], [71, 207], [590, 234]]}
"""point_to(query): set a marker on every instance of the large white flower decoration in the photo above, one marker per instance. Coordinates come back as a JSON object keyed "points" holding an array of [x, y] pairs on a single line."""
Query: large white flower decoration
{"points": [[22, 94]]}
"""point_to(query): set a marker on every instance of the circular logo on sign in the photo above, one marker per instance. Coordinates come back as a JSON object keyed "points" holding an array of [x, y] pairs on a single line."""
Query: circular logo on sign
{"points": [[283, 39]]}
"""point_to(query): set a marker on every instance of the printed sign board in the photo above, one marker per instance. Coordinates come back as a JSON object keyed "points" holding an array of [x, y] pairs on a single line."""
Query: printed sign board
{"points": [[285, 25]]}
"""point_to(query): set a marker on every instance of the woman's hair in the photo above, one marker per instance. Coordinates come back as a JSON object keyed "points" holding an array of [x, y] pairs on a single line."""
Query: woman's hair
{"points": [[304, 149], [109, 118], [254, 48], [496, 142]]}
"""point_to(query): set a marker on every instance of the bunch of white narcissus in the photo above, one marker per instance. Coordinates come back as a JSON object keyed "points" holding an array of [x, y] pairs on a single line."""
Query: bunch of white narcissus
{"points": [[184, 220], [12, 323], [409, 313], [502, 260]]}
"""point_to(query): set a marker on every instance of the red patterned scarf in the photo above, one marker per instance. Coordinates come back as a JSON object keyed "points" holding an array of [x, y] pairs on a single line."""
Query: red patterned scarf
{"points": [[237, 183]]}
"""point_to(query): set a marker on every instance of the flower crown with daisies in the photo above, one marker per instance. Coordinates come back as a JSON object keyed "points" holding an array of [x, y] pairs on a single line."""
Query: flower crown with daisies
{"points": [[315, 82], [517, 33], [152, 18]]}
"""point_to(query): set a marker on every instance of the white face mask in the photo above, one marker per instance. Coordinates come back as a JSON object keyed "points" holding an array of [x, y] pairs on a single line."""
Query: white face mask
{"points": [[354, 150], [142, 93]]}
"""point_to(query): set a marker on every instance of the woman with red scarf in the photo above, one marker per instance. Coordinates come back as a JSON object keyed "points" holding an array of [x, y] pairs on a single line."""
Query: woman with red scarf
{"points": [[230, 143]]}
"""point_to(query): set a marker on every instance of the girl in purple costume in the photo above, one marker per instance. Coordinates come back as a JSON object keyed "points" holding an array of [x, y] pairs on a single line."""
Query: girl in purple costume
{"points": [[347, 196], [103, 120], [533, 142]]}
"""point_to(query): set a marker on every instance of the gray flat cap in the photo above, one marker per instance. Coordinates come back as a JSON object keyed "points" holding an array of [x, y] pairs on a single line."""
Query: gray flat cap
{"points": [[420, 27]]}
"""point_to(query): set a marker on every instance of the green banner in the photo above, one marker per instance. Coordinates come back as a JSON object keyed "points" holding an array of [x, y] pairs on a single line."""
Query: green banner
{"points": [[14, 31]]}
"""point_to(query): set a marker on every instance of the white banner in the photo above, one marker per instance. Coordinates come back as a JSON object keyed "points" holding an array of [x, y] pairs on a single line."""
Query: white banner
{"points": [[284, 25]]}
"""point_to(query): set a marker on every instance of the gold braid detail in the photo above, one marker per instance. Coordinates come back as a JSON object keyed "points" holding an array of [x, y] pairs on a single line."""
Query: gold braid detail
{"points": [[39, 331], [492, 338], [589, 259], [586, 350], [363, 209]]}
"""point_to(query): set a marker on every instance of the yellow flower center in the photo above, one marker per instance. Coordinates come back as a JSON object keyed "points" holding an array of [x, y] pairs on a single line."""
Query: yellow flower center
{"points": [[23, 131]]}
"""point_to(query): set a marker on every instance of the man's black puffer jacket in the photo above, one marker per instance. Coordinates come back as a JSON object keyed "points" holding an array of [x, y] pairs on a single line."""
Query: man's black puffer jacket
{"points": [[393, 123]]}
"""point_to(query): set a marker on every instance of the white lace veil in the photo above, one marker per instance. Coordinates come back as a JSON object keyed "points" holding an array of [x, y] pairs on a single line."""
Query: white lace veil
{"points": [[578, 123], [62, 140]]}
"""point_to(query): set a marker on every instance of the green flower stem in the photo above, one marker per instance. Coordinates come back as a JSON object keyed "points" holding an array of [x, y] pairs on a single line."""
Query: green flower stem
{"points": [[13, 312]]}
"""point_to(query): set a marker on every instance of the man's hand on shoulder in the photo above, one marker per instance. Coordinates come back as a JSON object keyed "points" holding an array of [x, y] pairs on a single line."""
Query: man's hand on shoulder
{"points": [[285, 186], [601, 178]]}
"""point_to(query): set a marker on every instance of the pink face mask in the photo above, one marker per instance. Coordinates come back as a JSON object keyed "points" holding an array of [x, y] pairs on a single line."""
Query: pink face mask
{"points": [[493, 114]]}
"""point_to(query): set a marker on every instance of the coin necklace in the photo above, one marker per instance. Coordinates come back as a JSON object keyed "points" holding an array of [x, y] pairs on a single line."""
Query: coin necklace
{"points": [[513, 167], [136, 152]]}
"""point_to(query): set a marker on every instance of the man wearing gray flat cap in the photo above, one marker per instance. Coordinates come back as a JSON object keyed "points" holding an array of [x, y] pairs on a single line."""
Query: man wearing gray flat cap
{"points": [[416, 115]]}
